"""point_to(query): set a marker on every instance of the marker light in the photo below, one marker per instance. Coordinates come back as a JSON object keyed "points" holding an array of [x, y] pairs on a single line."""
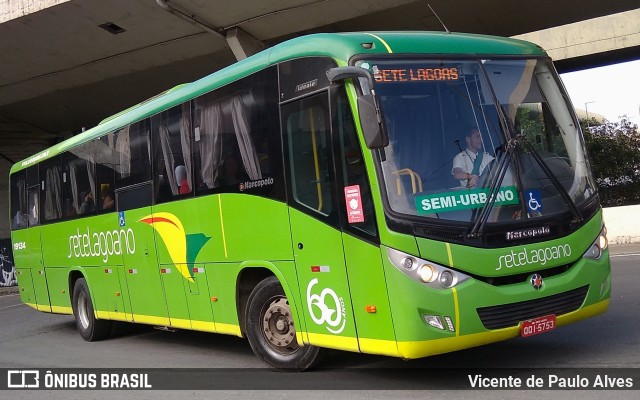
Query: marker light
{"points": [[598, 247], [450, 324], [446, 279], [408, 263]]}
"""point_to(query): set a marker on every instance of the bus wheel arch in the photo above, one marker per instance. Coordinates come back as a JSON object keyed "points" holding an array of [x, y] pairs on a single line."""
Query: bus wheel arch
{"points": [[247, 280], [90, 328], [269, 326], [74, 275]]}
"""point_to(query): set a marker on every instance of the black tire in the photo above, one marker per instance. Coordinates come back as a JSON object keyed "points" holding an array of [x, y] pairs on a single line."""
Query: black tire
{"points": [[269, 328], [90, 328]]}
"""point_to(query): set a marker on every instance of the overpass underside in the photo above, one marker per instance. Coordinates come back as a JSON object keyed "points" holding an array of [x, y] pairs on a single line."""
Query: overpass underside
{"points": [[67, 64], [591, 43]]}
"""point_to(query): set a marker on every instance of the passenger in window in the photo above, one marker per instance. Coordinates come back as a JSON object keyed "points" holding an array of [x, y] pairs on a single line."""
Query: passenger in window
{"points": [[33, 210], [164, 190], [181, 180], [108, 200], [472, 162], [231, 174], [69, 211], [88, 204], [19, 220]]}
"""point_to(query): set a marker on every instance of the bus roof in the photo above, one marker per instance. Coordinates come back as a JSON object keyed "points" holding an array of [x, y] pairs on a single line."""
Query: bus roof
{"points": [[339, 46]]}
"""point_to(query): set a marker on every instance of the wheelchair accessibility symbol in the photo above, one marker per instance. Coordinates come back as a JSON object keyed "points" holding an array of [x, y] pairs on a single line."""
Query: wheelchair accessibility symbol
{"points": [[534, 200]]}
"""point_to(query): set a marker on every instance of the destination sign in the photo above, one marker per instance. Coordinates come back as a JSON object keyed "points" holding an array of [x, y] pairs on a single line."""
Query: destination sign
{"points": [[416, 74], [463, 200]]}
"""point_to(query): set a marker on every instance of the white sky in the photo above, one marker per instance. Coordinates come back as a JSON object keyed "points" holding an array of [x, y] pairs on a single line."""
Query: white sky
{"points": [[614, 90]]}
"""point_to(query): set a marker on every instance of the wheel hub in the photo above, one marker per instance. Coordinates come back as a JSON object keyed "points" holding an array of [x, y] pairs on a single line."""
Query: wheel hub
{"points": [[277, 326]]}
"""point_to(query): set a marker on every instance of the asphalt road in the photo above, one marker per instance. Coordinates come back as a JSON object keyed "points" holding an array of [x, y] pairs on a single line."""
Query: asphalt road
{"points": [[31, 339]]}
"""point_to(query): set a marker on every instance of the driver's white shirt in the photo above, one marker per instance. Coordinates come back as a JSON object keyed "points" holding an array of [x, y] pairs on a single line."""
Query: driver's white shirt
{"points": [[464, 160]]}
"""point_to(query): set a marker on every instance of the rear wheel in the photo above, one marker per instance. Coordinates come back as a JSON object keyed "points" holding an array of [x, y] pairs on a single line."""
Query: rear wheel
{"points": [[90, 328], [270, 329]]}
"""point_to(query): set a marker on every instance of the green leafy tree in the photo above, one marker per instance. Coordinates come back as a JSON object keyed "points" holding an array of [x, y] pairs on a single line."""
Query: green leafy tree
{"points": [[614, 151]]}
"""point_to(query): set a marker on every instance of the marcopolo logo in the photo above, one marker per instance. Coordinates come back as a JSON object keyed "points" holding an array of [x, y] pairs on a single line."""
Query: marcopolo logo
{"points": [[256, 184], [105, 244], [540, 257], [330, 307]]}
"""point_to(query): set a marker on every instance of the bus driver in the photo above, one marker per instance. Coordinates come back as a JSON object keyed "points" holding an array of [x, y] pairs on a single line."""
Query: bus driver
{"points": [[469, 164]]}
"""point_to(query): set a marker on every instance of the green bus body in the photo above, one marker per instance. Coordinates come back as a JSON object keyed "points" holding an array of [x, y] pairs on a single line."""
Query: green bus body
{"points": [[193, 262]]}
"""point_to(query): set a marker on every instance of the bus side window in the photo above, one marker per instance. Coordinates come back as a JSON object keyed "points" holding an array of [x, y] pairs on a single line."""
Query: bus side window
{"points": [[52, 185], [307, 129], [79, 181], [171, 136], [133, 166], [105, 171], [19, 209], [353, 168], [237, 137], [33, 216]]}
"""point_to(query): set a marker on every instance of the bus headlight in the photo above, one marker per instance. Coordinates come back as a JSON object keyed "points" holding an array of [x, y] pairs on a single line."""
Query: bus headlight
{"points": [[427, 273], [598, 247], [432, 274]]}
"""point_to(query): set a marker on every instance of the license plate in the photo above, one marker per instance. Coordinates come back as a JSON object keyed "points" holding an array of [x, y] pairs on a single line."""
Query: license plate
{"points": [[537, 325]]}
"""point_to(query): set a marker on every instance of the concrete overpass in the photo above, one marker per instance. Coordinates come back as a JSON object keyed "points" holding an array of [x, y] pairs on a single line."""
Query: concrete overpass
{"points": [[66, 64]]}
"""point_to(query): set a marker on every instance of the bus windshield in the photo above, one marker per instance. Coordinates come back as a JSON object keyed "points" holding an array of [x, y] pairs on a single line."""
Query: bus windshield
{"points": [[462, 129]]}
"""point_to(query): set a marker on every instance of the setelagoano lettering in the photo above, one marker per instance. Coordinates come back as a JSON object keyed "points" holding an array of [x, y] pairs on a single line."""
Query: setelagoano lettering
{"points": [[536, 256], [105, 244]]}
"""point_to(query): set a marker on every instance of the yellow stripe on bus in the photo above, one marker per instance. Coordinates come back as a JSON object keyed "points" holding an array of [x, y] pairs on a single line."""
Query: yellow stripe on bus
{"points": [[61, 310], [180, 323], [228, 329], [457, 310], [224, 240], [386, 45], [334, 342], [204, 326], [379, 346], [456, 305]]}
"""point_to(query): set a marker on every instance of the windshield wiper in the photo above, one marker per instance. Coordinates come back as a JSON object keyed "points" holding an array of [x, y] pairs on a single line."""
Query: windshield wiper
{"points": [[494, 188], [511, 143]]}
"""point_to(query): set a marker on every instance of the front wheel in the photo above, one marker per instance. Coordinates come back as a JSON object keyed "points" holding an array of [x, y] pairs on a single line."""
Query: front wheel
{"points": [[270, 329], [90, 328]]}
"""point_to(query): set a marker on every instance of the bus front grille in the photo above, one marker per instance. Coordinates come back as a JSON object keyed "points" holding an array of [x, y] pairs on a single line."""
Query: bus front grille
{"points": [[506, 315]]}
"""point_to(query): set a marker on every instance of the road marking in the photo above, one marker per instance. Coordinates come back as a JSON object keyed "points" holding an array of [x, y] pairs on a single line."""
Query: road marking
{"points": [[15, 305], [624, 255]]}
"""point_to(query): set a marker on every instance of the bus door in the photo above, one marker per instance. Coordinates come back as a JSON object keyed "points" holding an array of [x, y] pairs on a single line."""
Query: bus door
{"points": [[146, 299], [360, 237], [34, 243], [315, 229], [180, 225], [134, 196]]}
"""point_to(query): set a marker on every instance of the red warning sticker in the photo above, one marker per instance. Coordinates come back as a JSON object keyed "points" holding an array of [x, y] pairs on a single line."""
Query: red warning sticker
{"points": [[353, 200]]}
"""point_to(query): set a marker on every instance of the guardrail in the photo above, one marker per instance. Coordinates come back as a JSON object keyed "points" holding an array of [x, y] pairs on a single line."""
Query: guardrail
{"points": [[623, 224]]}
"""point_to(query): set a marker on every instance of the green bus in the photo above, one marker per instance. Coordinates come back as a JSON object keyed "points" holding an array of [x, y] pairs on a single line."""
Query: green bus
{"points": [[394, 193]]}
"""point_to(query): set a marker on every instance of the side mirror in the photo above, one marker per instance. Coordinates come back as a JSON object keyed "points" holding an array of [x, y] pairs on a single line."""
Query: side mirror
{"points": [[371, 119]]}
